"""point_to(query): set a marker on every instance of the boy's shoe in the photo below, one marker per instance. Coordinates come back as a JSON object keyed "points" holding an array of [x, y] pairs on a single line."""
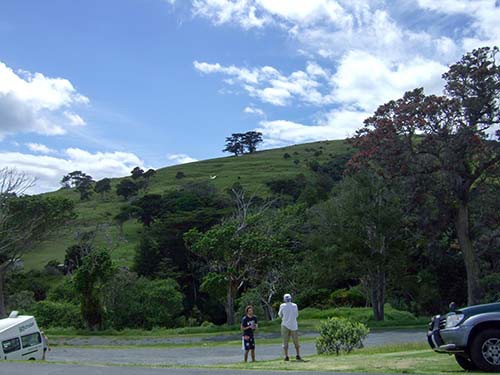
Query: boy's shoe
{"points": [[298, 358], [286, 359]]}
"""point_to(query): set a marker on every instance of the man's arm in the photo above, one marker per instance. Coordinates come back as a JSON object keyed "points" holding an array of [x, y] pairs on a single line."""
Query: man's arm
{"points": [[280, 312]]}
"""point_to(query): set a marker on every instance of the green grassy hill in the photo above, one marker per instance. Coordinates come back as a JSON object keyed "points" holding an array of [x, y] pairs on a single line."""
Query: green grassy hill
{"points": [[251, 171]]}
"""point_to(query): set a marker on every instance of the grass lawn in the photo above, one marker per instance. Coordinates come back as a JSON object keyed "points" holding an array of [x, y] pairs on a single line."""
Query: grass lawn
{"points": [[400, 359], [309, 320]]}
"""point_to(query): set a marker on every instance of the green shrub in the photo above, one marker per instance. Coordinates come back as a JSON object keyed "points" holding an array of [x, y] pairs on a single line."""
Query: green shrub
{"points": [[64, 291], [22, 301], [352, 297], [338, 335], [57, 314]]}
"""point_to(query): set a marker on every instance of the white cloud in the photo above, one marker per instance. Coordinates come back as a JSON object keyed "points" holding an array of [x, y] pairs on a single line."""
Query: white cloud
{"points": [[38, 147], [254, 111], [366, 81], [49, 170], [180, 159], [74, 119], [33, 102], [271, 86]]}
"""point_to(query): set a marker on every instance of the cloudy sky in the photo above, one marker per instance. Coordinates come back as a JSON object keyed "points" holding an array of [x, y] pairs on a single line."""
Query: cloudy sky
{"points": [[104, 86]]}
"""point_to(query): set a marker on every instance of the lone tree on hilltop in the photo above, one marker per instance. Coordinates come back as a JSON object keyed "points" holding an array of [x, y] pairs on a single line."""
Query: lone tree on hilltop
{"points": [[234, 144], [137, 173], [250, 140], [238, 143]]}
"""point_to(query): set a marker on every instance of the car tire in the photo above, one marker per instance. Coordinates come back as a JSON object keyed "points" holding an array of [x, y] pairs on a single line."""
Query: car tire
{"points": [[485, 350], [465, 362]]}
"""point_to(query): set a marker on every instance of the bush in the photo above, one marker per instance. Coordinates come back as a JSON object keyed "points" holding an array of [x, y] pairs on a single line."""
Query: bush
{"points": [[134, 302], [180, 175], [22, 301], [64, 291], [57, 314], [352, 297], [286, 155], [338, 335]]}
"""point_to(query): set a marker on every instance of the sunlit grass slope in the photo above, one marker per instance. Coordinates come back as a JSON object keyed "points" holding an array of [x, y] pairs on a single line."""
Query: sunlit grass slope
{"points": [[251, 171]]}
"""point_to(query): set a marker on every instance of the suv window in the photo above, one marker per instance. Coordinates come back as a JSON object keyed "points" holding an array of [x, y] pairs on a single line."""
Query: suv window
{"points": [[31, 340], [11, 345]]}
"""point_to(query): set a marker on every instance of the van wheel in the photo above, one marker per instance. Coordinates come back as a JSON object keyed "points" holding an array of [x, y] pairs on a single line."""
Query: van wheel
{"points": [[485, 350], [465, 362], [32, 359]]}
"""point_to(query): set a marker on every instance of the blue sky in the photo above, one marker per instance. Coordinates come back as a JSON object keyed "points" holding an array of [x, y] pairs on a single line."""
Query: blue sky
{"points": [[103, 86]]}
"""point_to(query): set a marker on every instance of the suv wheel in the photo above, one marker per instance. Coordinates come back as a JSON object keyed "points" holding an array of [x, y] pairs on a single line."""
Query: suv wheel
{"points": [[465, 362], [485, 350]]}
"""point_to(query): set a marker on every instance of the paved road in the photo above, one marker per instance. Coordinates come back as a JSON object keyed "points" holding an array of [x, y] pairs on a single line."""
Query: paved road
{"points": [[206, 354], [56, 369]]}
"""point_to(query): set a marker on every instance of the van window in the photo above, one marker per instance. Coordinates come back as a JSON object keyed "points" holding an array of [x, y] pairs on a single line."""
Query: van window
{"points": [[31, 340], [11, 345]]}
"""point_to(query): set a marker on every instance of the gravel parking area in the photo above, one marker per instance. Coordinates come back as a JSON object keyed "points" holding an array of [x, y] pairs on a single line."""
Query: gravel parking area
{"points": [[204, 354]]}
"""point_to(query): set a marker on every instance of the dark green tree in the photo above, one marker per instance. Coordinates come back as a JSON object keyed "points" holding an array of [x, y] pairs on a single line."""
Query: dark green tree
{"points": [[103, 187], [234, 144], [444, 143], [250, 140], [89, 280], [137, 173], [127, 188]]}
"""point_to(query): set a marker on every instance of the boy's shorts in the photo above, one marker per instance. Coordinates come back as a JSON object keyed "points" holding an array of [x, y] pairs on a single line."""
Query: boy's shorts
{"points": [[248, 342]]}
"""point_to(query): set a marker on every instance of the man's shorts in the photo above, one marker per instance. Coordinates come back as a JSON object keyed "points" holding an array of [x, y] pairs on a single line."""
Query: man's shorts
{"points": [[286, 334], [248, 342]]}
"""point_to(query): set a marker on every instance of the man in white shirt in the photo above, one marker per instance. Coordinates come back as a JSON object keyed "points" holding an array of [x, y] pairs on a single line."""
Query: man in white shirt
{"points": [[289, 328]]}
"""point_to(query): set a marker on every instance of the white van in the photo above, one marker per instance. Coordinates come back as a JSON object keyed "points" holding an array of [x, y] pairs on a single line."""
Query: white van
{"points": [[20, 338]]}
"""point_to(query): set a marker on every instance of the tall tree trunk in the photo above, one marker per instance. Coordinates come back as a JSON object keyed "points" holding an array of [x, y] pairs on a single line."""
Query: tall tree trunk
{"points": [[229, 305], [474, 290], [3, 310], [378, 293]]}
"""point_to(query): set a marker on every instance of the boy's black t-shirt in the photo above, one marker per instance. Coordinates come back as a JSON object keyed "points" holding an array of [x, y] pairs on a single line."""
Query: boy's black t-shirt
{"points": [[246, 321]]}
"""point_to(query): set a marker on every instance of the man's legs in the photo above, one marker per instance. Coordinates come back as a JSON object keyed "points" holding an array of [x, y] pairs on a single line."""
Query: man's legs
{"points": [[285, 334], [295, 337], [246, 355], [253, 355]]}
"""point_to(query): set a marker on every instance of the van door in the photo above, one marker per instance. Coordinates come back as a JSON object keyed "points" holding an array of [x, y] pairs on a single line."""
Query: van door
{"points": [[32, 347], [12, 348]]}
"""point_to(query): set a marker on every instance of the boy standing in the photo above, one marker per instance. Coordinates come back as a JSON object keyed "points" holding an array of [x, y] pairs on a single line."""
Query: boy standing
{"points": [[249, 326], [289, 327]]}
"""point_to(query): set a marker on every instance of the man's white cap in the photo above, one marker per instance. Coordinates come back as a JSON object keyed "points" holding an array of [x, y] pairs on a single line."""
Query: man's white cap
{"points": [[287, 298]]}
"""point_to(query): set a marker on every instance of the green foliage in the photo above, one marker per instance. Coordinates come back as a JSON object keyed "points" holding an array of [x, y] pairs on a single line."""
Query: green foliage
{"points": [[57, 314], [179, 175], [89, 279], [250, 297], [127, 188], [337, 335], [352, 297], [103, 186], [136, 302], [64, 291], [22, 301]]}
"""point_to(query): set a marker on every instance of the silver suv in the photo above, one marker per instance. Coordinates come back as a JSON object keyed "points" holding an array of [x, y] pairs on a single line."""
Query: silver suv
{"points": [[472, 334]]}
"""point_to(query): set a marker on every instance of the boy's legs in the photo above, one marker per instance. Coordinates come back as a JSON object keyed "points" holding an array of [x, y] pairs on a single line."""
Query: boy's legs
{"points": [[252, 352]]}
